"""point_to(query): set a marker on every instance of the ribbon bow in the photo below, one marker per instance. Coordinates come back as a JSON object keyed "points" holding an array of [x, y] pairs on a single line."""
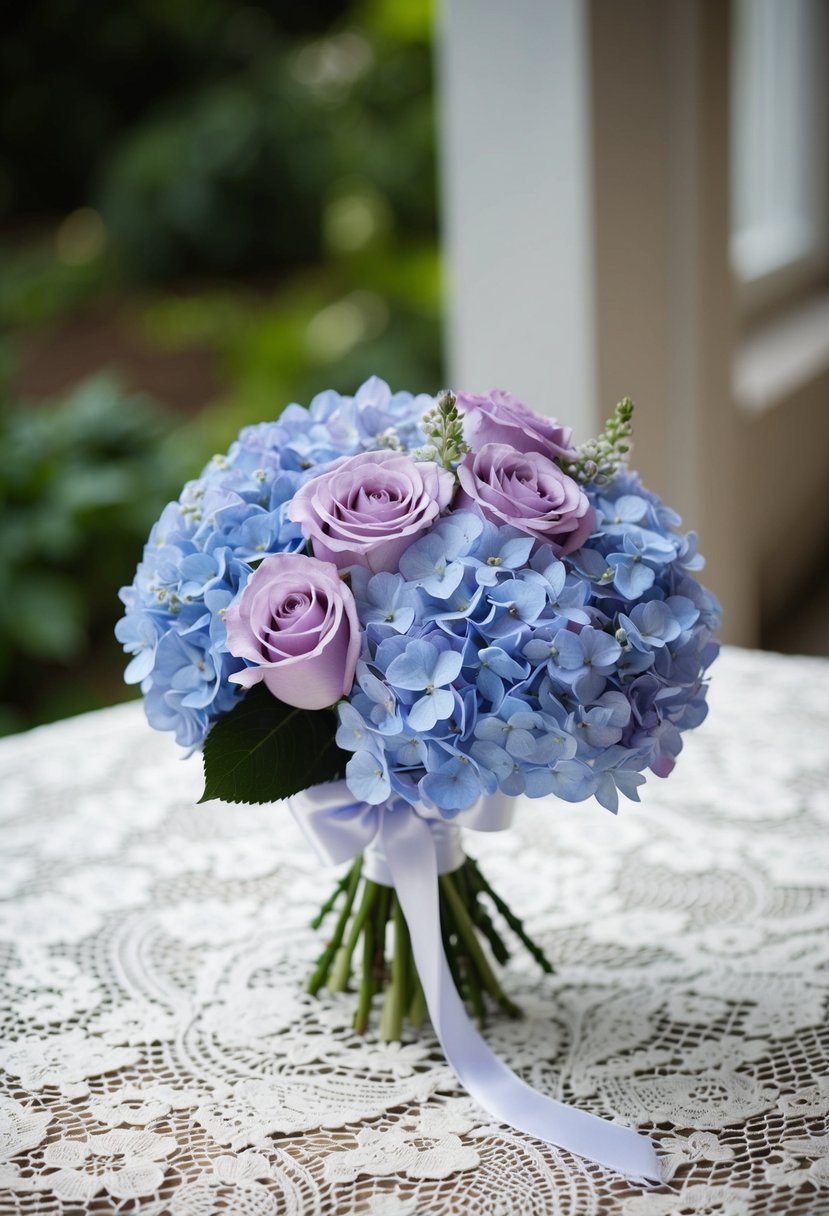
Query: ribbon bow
{"points": [[406, 848]]}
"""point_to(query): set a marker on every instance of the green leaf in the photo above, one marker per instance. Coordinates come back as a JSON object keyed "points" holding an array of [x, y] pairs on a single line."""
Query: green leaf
{"points": [[264, 750]]}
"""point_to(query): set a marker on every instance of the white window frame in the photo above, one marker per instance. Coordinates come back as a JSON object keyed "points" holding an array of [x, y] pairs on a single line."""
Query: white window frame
{"points": [[779, 211]]}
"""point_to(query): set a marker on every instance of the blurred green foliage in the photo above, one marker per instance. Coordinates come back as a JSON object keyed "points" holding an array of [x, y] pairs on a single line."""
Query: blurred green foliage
{"points": [[365, 316], [255, 183], [218, 183], [329, 138], [37, 286], [81, 481], [78, 73]]}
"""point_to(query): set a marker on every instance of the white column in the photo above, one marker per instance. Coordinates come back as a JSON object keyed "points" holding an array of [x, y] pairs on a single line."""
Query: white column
{"points": [[515, 150]]}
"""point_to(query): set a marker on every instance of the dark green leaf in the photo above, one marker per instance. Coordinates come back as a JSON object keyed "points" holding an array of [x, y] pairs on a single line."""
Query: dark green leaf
{"points": [[264, 750]]}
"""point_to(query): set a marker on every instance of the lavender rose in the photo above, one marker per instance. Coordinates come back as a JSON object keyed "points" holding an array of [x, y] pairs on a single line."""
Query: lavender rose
{"points": [[502, 418], [297, 621], [527, 491], [365, 510]]}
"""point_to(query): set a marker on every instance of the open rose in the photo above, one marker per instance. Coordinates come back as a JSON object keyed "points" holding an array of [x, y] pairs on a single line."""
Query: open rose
{"points": [[529, 492], [501, 418], [297, 621], [365, 510]]}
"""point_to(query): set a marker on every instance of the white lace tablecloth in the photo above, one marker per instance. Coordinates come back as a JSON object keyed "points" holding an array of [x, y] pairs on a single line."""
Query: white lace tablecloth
{"points": [[158, 1053]]}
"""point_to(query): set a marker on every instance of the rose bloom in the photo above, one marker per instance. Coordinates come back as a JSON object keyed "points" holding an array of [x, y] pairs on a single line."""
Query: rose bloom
{"points": [[502, 418], [297, 621], [365, 510], [527, 491]]}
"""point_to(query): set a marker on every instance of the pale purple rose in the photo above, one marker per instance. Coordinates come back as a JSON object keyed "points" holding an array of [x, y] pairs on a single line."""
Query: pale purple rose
{"points": [[529, 492], [297, 621], [365, 510], [501, 418]]}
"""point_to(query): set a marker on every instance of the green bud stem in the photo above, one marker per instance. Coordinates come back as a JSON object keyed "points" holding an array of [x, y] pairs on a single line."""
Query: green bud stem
{"points": [[443, 425]]}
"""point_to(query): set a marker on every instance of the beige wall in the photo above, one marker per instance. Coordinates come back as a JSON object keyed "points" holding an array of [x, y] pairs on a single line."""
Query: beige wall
{"points": [[785, 461], [752, 483]]}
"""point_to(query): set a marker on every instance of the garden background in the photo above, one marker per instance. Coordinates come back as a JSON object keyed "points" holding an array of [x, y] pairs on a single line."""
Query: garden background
{"points": [[207, 210]]}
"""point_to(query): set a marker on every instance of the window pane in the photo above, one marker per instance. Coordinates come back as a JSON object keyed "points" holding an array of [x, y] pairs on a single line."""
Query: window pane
{"points": [[778, 134]]}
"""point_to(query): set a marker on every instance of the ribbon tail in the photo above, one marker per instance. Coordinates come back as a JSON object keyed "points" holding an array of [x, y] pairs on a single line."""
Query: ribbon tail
{"points": [[411, 856]]}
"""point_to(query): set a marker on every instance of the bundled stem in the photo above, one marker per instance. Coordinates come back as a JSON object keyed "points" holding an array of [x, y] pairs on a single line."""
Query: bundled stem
{"points": [[467, 928]]}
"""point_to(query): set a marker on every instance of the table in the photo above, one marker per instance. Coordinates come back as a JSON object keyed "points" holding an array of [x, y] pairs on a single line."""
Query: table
{"points": [[158, 1053]]}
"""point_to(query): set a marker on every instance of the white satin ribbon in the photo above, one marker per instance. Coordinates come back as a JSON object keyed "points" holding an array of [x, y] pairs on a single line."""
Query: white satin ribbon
{"points": [[404, 838], [446, 841]]}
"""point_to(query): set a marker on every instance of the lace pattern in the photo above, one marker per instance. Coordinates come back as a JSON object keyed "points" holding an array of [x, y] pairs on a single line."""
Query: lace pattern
{"points": [[158, 1053]]}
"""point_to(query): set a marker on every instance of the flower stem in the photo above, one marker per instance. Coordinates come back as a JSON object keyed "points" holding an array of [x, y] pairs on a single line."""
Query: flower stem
{"points": [[320, 974], [480, 917], [381, 918], [341, 970], [341, 886], [394, 1005], [466, 931], [417, 1005], [466, 924], [512, 920], [473, 988], [450, 944], [363, 1011]]}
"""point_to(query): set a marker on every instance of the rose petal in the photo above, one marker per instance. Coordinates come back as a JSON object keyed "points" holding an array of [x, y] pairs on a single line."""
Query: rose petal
{"points": [[528, 492], [365, 510], [296, 621]]}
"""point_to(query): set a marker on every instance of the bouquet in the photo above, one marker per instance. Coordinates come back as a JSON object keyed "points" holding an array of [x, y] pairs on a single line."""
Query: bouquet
{"points": [[400, 612]]}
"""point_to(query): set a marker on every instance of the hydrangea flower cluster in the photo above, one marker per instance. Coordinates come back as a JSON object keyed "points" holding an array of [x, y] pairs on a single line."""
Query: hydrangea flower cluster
{"points": [[486, 606], [488, 662], [203, 549]]}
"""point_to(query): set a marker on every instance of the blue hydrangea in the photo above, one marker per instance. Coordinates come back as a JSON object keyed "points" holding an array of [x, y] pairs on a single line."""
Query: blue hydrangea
{"points": [[490, 663], [203, 548]]}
